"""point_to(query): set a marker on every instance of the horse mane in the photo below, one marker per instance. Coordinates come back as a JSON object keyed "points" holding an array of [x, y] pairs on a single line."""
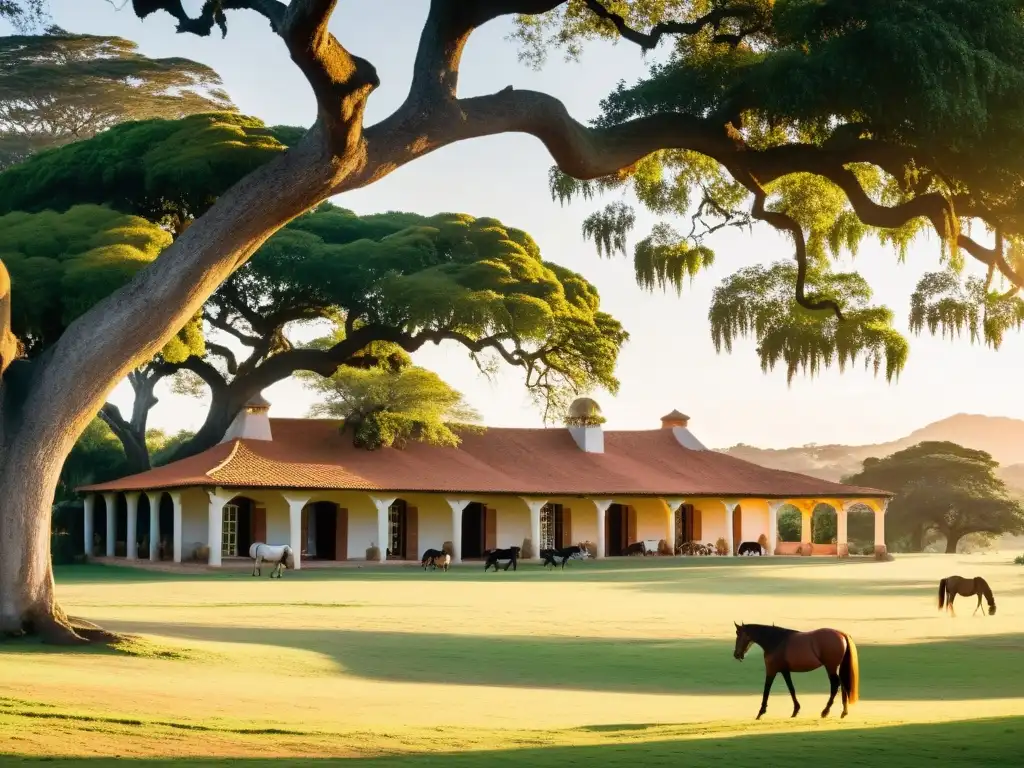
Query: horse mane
{"points": [[986, 590], [768, 637]]}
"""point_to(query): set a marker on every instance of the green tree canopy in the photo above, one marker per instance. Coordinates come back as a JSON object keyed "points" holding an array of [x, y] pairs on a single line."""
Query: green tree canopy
{"points": [[758, 301], [945, 488], [391, 283], [168, 171], [751, 84], [61, 264], [59, 88], [383, 408]]}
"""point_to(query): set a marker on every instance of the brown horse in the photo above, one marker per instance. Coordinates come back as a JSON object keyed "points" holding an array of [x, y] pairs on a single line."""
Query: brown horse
{"points": [[951, 586], [788, 651]]}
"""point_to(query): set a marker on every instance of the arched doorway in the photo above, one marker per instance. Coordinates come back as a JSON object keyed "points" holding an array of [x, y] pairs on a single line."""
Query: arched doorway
{"points": [[737, 528], [687, 526], [824, 529], [473, 536], [321, 526], [403, 531], [619, 529]]}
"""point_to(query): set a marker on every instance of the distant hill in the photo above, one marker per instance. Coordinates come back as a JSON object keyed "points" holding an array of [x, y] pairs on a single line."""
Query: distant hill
{"points": [[1000, 436]]}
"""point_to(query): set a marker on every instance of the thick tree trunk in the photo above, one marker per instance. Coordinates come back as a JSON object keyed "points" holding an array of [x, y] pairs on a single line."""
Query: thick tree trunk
{"points": [[952, 539], [29, 469]]}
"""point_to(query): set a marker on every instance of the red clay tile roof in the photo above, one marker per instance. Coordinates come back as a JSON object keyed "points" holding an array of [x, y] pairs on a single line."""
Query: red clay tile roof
{"points": [[312, 453]]}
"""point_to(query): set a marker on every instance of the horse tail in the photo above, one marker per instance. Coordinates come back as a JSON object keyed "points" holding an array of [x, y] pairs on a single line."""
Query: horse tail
{"points": [[942, 593], [986, 590], [849, 671]]}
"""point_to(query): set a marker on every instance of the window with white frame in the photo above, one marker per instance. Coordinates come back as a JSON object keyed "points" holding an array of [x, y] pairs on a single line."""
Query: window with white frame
{"points": [[229, 531], [550, 525], [396, 529]]}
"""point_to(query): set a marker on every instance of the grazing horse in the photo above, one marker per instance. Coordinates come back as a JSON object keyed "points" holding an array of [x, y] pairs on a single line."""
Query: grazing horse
{"points": [[788, 651], [511, 554], [430, 557], [951, 586], [750, 548], [636, 548], [563, 555], [281, 555]]}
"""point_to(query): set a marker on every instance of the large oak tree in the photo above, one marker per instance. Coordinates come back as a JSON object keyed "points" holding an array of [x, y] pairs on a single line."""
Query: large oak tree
{"points": [[747, 98], [59, 87], [943, 488]]}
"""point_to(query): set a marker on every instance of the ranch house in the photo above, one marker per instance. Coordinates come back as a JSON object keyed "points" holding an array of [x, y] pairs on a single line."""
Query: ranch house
{"points": [[301, 482]]}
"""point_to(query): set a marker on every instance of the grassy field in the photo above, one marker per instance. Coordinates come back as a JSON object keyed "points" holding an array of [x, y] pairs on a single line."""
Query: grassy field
{"points": [[611, 663]]}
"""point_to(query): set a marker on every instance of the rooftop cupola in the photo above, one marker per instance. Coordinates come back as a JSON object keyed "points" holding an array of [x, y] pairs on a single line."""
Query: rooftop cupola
{"points": [[679, 423], [584, 421], [674, 419], [252, 422]]}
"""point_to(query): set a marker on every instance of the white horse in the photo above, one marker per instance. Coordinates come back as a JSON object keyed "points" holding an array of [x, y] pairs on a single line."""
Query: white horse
{"points": [[281, 555]]}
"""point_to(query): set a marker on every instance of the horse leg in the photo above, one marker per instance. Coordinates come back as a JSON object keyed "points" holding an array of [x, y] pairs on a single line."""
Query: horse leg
{"points": [[834, 681], [792, 691], [952, 613], [979, 606], [769, 678]]}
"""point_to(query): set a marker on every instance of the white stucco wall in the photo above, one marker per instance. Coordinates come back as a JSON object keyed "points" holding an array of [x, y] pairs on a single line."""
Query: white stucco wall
{"points": [[362, 525], [651, 519], [513, 522], [754, 516], [195, 506], [434, 519], [712, 520]]}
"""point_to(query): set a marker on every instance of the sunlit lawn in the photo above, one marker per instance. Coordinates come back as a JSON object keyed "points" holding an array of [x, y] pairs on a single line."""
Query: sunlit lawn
{"points": [[604, 663]]}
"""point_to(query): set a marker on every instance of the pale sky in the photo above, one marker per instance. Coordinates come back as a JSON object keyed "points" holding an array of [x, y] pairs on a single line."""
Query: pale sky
{"points": [[669, 361]]}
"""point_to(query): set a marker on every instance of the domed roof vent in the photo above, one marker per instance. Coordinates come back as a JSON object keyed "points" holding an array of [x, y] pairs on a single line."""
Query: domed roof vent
{"points": [[584, 412], [584, 421], [674, 419]]}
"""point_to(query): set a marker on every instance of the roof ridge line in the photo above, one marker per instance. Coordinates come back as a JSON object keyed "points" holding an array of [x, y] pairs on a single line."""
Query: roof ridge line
{"points": [[227, 460]]}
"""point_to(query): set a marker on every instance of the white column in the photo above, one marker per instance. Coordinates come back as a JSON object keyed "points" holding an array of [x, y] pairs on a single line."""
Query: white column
{"points": [[110, 500], [535, 505], [730, 507], [383, 505], [458, 506], [88, 506], [215, 527], [176, 534], [673, 505], [602, 508], [154, 525], [132, 543], [295, 506], [842, 528], [880, 527], [773, 524]]}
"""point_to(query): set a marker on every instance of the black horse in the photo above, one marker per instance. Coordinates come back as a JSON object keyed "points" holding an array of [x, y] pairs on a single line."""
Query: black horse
{"points": [[951, 586], [429, 556], [511, 554]]}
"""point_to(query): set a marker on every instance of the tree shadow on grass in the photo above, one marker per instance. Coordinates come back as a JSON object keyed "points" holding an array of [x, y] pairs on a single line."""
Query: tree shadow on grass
{"points": [[994, 742], [979, 667], [738, 576]]}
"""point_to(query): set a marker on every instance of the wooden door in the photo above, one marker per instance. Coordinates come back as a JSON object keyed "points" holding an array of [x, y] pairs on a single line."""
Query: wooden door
{"points": [[412, 534], [259, 526], [698, 532], [737, 529], [341, 535], [566, 527], [630, 514], [490, 529]]}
